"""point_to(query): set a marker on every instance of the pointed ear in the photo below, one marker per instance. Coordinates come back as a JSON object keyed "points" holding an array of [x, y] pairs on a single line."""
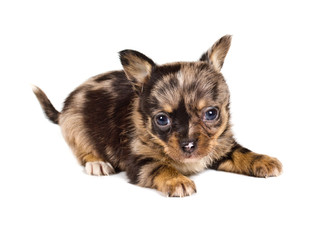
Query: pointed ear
{"points": [[217, 53], [137, 67]]}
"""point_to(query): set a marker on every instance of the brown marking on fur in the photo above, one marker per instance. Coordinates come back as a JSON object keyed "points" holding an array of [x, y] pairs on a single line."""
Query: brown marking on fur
{"points": [[91, 158], [201, 104], [167, 108], [266, 166], [252, 164], [172, 183]]}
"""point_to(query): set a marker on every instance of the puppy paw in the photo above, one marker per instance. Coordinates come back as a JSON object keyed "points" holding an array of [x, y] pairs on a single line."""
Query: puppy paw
{"points": [[265, 166], [180, 186], [99, 168]]}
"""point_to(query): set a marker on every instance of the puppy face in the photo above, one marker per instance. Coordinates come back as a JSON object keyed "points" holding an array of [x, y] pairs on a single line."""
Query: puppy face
{"points": [[183, 107]]}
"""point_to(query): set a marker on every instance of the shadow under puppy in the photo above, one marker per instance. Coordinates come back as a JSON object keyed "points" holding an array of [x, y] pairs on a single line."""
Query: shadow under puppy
{"points": [[159, 123]]}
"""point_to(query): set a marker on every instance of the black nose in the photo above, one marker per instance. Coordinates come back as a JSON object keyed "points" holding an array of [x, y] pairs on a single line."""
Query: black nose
{"points": [[188, 146]]}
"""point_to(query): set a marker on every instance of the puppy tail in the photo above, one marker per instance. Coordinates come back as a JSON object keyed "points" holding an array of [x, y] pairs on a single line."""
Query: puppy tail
{"points": [[51, 113]]}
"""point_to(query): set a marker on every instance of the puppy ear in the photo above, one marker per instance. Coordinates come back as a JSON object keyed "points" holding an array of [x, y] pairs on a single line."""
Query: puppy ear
{"points": [[217, 53], [137, 67]]}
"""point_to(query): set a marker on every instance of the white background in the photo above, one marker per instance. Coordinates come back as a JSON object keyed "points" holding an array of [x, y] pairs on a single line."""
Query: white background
{"points": [[277, 71]]}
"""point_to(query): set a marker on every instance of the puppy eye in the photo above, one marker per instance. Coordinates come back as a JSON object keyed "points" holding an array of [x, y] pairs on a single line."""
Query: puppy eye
{"points": [[162, 120], [210, 114]]}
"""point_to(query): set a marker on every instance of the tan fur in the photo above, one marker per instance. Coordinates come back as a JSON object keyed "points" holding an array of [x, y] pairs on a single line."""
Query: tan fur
{"points": [[201, 104], [167, 180], [71, 123], [91, 158], [167, 108], [172, 183], [223, 145], [252, 164]]}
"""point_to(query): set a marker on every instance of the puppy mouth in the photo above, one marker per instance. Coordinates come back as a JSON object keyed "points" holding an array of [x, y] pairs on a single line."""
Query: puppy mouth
{"points": [[190, 160], [183, 157], [190, 157], [187, 153]]}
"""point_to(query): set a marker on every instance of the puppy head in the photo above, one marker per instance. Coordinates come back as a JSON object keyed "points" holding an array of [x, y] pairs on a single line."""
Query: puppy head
{"points": [[182, 107]]}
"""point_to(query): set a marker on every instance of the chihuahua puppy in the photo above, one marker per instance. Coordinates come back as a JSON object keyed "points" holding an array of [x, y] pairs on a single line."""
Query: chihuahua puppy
{"points": [[159, 123]]}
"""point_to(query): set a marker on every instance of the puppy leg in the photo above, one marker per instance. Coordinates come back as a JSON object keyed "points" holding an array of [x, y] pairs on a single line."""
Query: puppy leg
{"points": [[243, 161], [96, 166], [163, 177]]}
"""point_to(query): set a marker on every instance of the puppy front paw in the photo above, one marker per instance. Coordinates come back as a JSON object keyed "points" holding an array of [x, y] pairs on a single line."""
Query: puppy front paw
{"points": [[179, 186], [99, 168], [266, 166]]}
